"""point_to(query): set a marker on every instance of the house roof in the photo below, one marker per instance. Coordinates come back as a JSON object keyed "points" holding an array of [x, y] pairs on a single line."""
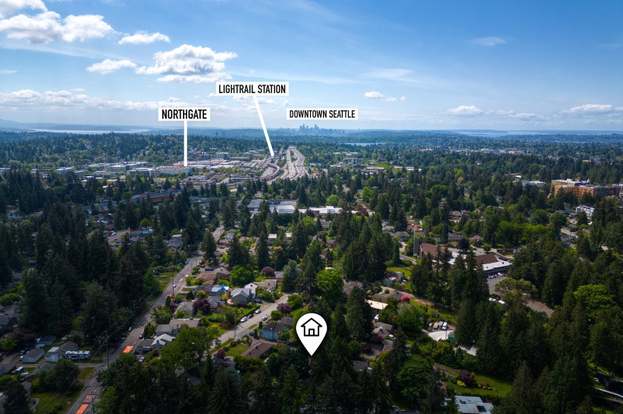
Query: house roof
{"points": [[258, 348], [34, 354], [487, 258], [178, 323], [431, 249]]}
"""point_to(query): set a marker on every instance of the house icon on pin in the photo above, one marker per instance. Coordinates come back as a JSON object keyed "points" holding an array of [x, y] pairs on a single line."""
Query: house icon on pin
{"points": [[311, 328]]}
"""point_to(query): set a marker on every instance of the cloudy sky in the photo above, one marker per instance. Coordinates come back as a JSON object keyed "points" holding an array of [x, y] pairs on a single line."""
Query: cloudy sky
{"points": [[404, 64]]}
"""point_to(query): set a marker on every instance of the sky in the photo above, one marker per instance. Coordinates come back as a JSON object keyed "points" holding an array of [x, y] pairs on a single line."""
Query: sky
{"points": [[529, 65]]}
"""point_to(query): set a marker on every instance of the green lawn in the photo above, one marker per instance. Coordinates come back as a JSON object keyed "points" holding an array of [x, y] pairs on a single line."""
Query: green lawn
{"points": [[498, 388], [406, 270], [52, 403], [237, 349]]}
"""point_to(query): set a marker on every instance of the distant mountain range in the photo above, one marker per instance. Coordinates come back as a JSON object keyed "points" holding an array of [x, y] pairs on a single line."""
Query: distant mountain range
{"points": [[21, 126]]}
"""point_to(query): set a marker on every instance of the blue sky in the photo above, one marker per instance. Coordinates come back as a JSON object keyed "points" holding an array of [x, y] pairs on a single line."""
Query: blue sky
{"points": [[404, 64]]}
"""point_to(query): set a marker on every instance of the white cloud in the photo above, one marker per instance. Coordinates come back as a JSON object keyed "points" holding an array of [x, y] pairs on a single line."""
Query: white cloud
{"points": [[73, 98], [381, 96], [9, 7], [188, 63], [466, 110], [472, 110], [142, 38], [7, 71], [374, 95], [489, 41], [396, 98], [48, 26], [107, 66], [594, 109], [84, 27]]}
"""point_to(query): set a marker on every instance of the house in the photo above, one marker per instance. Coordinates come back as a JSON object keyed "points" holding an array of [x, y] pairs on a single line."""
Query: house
{"points": [[53, 354], [161, 340], [267, 284], [472, 405], [311, 327], [222, 273], [207, 277], [175, 242], [242, 296], [218, 290], [258, 349], [44, 341], [184, 308], [323, 211], [77, 355], [432, 250], [382, 330], [251, 288], [33, 356], [175, 325], [491, 263], [349, 285], [388, 294], [588, 210], [376, 305], [68, 346], [220, 360], [144, 346], [268, 271], [273, 330]]}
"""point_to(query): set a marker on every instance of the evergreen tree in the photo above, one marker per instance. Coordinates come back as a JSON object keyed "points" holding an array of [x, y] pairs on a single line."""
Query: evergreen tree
{"points": [[209, 246], [262, 255]]}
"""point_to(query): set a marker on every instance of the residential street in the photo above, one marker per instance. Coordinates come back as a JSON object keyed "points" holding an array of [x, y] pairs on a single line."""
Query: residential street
{"points": [[92, 386], [246, 327]]}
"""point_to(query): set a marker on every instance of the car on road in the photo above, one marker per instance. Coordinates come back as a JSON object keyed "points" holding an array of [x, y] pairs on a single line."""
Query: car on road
{"points": [[244, 319], [257, 311]]}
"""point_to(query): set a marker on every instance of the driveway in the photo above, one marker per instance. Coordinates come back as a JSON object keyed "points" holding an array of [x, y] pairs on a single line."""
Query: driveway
{"points": [[248, 326]]}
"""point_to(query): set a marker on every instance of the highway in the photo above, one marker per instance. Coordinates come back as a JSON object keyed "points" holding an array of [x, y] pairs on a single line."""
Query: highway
{"points": [[294, 167]]}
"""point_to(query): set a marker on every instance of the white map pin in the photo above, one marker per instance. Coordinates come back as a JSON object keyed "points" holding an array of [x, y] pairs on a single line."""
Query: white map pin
{"points": [[311, 329]]}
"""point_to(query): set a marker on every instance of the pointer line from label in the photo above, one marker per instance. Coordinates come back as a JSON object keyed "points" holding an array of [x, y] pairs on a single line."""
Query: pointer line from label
{"points": [[259, 114], [185, 143]]}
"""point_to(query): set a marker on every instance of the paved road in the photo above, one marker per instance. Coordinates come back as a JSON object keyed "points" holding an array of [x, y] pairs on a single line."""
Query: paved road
{"points": [[246, 327], [92, 386], [294, 167]]}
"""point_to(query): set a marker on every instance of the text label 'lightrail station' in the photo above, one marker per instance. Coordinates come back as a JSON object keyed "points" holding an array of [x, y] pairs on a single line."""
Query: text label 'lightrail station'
{"points": [[228, 88]]}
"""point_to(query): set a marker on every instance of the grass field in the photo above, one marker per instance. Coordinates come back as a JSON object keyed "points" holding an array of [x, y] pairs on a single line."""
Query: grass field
{"points": [[52, 403], [406, 270], [498, 388], [237, 349]]}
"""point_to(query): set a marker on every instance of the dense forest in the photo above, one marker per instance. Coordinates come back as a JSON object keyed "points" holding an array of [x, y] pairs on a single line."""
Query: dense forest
{"points": [[57, 265]]}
